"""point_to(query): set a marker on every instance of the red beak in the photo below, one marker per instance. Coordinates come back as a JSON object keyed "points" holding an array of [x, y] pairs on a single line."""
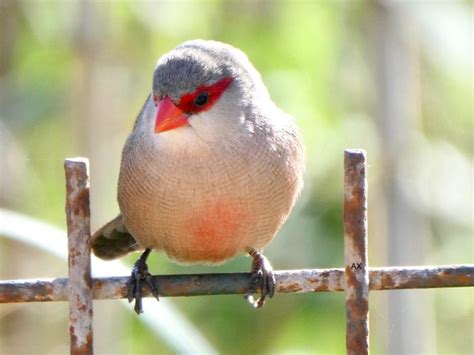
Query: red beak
{"points": [[169, 116]]}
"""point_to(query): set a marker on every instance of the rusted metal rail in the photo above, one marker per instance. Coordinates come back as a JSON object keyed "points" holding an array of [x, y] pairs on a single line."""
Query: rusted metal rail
{"points": [[288, 281], [79, 258], [355, 253], [80, 289]]}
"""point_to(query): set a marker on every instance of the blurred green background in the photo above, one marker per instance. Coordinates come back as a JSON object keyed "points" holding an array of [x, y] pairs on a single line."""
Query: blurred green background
{"points": [[392, 77]]}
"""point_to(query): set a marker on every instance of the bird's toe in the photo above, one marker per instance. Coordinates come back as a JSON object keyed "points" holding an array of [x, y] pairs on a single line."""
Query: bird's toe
{"points": [[140, 275], [262, 272]]}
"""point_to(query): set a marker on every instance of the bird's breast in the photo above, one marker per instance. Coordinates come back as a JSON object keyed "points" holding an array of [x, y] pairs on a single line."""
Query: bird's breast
{"points": [[204, 207], [215, 230]]}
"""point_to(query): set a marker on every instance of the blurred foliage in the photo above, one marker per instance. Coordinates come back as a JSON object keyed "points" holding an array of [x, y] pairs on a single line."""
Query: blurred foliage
{"points": [[73, 76]]}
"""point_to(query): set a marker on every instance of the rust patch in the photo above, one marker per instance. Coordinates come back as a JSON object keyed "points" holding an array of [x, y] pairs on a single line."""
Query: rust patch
{"points": [[81, 207], [322, 287], [387, 281], [463, 279], [287, 288]]}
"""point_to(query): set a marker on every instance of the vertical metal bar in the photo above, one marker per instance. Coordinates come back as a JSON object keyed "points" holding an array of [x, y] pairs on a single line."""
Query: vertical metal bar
{"points": [[80, 281], [355, 245]]}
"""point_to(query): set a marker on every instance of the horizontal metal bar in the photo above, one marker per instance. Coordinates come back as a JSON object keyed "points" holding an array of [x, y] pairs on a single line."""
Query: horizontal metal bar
{"points": [[288, 281]]}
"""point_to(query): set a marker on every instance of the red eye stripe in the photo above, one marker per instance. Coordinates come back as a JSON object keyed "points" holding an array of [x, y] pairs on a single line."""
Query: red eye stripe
{"points": [[214, 91]]}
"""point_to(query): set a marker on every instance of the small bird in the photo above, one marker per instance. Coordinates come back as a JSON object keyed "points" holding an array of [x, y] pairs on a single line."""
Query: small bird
{"points": [[210, 171]]}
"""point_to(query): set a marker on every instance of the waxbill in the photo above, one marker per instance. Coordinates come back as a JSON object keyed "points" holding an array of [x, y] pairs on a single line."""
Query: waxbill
{"points": [[210, 171]]}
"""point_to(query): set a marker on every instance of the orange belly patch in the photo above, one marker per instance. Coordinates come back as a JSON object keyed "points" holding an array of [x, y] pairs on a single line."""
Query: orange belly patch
{"points": [[215, 231]]}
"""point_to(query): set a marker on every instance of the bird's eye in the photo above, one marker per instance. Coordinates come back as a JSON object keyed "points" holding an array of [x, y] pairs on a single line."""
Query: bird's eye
{"points": [[201, 99]]}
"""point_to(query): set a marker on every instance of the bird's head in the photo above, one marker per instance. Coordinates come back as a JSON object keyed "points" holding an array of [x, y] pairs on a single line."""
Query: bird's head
{"points": [[205, 86]]}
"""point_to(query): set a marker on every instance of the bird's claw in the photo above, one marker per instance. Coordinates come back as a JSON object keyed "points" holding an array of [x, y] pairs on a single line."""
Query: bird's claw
{"points": [[140, 275], [261, 270]]}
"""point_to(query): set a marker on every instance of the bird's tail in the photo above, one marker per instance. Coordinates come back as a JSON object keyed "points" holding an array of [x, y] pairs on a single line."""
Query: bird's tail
{"points": [[113, 240]]}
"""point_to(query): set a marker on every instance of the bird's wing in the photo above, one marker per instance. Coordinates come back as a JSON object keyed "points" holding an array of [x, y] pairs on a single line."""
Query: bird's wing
{"points": [[113, 240]]}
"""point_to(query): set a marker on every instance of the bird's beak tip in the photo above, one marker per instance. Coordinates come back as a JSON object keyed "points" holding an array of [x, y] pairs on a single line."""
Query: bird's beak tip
{"points": [[169, 116]]}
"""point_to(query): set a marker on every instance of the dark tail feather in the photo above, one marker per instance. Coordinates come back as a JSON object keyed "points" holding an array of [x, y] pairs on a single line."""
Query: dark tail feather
{"points": [[113, 240]]}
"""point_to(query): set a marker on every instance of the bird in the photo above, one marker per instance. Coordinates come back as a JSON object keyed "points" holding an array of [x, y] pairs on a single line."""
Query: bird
{"points": [[211, 170]]}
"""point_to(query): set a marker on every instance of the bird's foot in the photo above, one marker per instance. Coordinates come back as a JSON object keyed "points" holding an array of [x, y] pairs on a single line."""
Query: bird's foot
{"points": [[261, 270], [139, 276]]}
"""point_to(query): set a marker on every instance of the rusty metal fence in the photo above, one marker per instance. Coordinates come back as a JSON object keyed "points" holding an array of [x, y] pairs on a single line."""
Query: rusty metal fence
{"points": [[356, 279]]}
